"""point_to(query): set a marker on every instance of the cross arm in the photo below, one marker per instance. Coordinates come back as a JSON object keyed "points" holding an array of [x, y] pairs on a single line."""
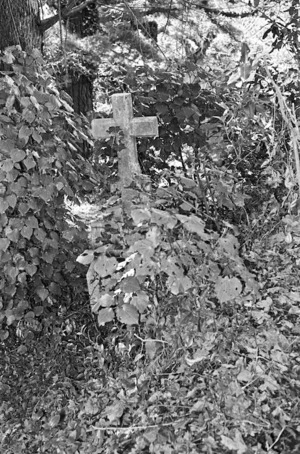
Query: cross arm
{"points": [[100, 127], [144, 126]]}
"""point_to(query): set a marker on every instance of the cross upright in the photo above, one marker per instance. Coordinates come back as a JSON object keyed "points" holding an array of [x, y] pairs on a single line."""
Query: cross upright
{"points": [[128, 164]]}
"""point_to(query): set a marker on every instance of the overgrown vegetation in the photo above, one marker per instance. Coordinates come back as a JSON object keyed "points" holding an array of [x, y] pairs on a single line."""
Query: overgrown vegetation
{"points": [[184, 336], [40, 166]]}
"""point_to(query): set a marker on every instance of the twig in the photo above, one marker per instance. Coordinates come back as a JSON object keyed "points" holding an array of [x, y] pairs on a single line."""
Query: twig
{"points": [[277, 439], [291, 121], [151, 426], [66, 12], [151, 340]]}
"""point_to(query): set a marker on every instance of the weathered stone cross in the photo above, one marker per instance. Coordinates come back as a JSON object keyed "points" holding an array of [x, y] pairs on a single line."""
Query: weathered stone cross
{"points": [[128, 164]]}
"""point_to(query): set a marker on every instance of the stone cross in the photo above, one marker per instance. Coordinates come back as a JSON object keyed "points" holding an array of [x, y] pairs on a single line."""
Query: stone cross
{"points": [[128, 164]]}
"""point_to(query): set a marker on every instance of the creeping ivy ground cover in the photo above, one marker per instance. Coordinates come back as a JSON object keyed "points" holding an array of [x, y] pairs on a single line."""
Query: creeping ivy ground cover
{"points": [[208, 377], [40, 165], [185, 335]]}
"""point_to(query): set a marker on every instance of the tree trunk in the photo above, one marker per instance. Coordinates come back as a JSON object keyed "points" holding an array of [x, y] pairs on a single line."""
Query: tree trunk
{"points": [[81, 91], [19, 24], [85, 22], [294, 15]]}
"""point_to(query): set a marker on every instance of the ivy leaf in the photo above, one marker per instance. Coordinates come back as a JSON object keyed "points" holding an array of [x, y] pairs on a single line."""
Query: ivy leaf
{"points": [[31, 269], [200, 355], [140, 301], [86, 258], [161, 217], [17, 155], [12, 272], [188, 182], [10, 102], [162, 109], [151, 435], [91, 407], [36, 136], [23, 208], [130, 285], [140, 215], [12, 200], [40, 234], [24, 133], [27, 232], [154, 235], [54, 421], [245, 376], [6, 146], [29, 162], [115, 411], [7, 165], [13, 235], [48, 257], [28, 115], [144, 247], [4, 243], [128, 314], [151, 348], [227, 288], [194, 225], [107, 300], [3, 205], [237, 444], [229, 244], [105, 315], [42, 292], [32, 222], [105, 266], [179, 284], [46, 193], [5, 119]]}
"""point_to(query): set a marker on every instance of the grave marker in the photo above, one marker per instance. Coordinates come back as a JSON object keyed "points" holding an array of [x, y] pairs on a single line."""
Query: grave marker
{"points": [[128, 164]]}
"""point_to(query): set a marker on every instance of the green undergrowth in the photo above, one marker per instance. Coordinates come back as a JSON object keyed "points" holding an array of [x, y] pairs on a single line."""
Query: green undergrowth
{"points": [[185, 338], [211, 375], [40, 166]]}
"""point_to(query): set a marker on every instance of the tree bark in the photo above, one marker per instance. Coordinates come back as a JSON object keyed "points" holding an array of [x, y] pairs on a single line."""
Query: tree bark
{"points": [[81, 91], [294, 15], [19, 24]]}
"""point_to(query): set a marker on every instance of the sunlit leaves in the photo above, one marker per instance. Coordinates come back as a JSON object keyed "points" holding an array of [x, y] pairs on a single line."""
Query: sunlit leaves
{"points": [[228, 289], [39, 166], [105, 266], [4, 243], [104, 316], [127, 314]]}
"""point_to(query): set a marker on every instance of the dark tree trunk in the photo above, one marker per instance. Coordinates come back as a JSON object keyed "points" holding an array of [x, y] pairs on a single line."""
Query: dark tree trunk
{"points": [[85, 22], [19, 24], [294, 15], [81, 91]]}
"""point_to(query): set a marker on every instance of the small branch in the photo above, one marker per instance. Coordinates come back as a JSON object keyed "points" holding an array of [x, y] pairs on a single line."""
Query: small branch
{"points": [[291, 122], [173, 11], [277, 439], [80, 7], [231, 14], [161, 10], [66, 12], [129, 428]]}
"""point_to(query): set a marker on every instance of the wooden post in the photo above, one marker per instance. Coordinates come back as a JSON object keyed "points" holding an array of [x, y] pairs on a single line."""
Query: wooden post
{"points": [[128, 164]]}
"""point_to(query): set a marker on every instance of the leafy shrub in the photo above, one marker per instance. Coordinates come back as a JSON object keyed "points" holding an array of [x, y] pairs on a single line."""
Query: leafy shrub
{"points": [[40, 166], [152, 254]]}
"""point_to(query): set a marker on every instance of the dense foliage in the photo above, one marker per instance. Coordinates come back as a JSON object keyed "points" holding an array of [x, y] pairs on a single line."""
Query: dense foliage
{"points": [[185, 335], [40, 166]]}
